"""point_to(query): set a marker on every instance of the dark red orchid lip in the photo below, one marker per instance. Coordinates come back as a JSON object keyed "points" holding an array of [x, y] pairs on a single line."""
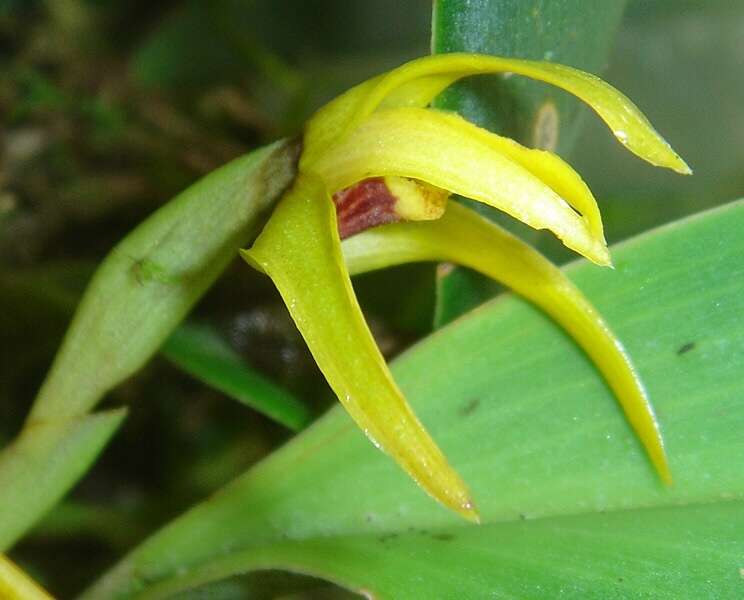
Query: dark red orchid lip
{"points": [[363, 205]]}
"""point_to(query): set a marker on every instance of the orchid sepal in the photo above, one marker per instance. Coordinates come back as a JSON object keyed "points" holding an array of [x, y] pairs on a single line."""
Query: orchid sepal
{"points": [[419, 81], [465, 238], [300, 250]]}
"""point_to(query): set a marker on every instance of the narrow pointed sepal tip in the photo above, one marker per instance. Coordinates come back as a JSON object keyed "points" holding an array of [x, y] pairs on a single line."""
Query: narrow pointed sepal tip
{"points": [[683, 168], [600, 256], [470, 512], [675, 162], [665, 473]]}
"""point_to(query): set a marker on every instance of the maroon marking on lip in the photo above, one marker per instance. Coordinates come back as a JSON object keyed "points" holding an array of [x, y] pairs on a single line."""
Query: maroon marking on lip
{"points": [[364, 205]]}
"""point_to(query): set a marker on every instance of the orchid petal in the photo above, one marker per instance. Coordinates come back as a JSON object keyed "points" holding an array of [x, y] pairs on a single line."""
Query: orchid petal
{"points": [[300, 250], [553, 171], [448, 152], [624, 119], [466, 238]]}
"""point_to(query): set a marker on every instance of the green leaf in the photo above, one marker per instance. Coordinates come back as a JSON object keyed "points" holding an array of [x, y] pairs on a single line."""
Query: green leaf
{"points": [[570, 32], [568, 500], [200, 351], [44, 462], [674, 552], [141, 291]]}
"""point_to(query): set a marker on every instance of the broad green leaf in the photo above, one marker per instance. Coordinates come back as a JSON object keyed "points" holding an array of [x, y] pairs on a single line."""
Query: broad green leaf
{"points": [[141, 291], [672, 552], [200, 351], [561, 482], [570, 32], [43, 463]]}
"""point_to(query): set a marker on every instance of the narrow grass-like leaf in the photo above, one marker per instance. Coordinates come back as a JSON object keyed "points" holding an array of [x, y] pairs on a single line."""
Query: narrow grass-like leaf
{"points": [[529, 422], [200, 351]]}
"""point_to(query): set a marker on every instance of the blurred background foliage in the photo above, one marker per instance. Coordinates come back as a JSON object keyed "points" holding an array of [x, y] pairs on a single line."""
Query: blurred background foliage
{"points": [[108, 108]]}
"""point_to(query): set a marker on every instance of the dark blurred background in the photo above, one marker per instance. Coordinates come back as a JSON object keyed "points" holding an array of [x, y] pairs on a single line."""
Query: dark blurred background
{"points": [[108, 108]]}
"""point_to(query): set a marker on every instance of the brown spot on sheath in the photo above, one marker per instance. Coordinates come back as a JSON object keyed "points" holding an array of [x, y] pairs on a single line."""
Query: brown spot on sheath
{"points": [[546, 127], [364, 205], [685, 348]]}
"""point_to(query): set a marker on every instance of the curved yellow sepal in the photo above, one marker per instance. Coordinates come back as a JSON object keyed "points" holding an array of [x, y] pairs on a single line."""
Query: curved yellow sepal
{"points": [[416, 83], [448, 152], [17, 585], [464, 237], [332, 120], [300, 250]]}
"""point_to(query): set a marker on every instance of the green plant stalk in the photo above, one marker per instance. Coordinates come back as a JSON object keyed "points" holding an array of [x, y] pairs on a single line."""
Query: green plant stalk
{"points": [[138, 295]]}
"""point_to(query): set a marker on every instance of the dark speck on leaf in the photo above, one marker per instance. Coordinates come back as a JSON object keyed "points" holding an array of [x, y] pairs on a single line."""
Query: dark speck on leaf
{"points": [[443, 537], [469, 408], [386, 537], [522, 516], [684, 348]]}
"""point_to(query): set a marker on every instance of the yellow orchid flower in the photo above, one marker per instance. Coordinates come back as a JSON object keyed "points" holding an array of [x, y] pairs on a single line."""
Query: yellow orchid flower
{"points": [[377, 155]]}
